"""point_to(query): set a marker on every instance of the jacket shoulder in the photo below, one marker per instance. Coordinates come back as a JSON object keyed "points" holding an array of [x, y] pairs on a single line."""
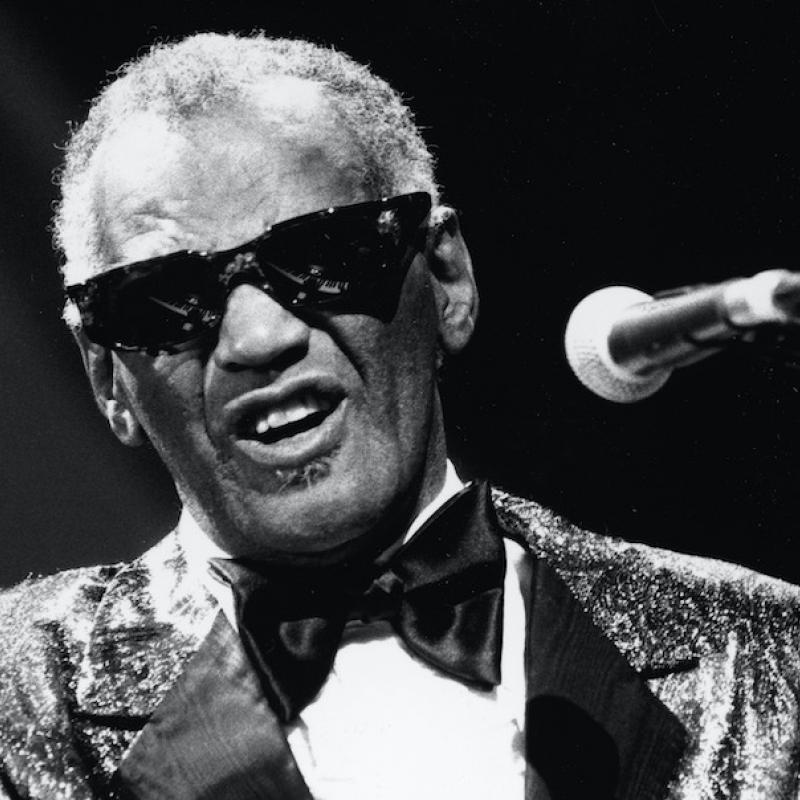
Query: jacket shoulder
{"points": [[67, 595], [660, 608], [44, 626], [47, 619]]}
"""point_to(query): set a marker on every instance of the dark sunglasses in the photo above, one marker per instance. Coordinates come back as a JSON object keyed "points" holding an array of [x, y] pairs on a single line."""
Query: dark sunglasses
{"points": [[350, 258]]}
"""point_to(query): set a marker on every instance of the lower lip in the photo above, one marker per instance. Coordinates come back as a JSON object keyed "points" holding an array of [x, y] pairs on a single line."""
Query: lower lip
{"points": [[298, 450]]}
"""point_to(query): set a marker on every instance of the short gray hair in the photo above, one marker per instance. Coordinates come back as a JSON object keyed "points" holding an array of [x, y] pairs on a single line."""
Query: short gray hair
{"points": [[180, 81]]}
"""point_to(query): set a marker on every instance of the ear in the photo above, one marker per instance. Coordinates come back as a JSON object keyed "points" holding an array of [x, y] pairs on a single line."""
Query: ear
{"points": [[109, 394], [454, 284]]}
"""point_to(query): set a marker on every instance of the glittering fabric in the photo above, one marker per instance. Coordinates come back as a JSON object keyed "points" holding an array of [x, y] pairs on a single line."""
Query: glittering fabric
{"points": [[86, 655], [720, 645]]}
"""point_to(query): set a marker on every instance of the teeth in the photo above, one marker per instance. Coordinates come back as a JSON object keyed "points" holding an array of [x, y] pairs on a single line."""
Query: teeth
{"points": [[298, 411], [276, 419], [293, 411]]}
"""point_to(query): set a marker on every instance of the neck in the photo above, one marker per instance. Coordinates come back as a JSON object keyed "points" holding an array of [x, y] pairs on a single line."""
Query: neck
{"points": [[199, 547]]}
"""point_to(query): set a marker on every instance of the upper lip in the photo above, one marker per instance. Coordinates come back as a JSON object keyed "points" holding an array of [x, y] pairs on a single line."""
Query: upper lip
{"points": [[263, 400]]}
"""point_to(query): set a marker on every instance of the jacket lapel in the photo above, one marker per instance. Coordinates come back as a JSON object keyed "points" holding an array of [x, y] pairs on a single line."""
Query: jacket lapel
{"points": [[152, 618], [213, 735], [593, 729], [163, 661]]}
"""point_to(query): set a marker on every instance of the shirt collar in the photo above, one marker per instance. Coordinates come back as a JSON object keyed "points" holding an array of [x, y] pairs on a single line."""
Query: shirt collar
{"points": [[452, 486]]}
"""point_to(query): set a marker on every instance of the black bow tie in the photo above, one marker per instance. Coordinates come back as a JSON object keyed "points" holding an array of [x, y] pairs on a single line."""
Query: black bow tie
{"points": [[442, 592]]}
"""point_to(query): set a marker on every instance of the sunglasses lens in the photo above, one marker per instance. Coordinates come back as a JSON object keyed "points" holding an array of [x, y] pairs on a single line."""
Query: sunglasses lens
{"points": [[355, 259], [354, 256], [156, 306]]}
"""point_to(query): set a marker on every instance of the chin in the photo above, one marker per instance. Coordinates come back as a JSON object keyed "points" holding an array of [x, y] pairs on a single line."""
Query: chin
{"points": [[318, 518]]}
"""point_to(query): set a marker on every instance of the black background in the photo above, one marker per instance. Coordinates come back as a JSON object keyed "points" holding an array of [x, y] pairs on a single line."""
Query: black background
{"points": [[650, 143]]}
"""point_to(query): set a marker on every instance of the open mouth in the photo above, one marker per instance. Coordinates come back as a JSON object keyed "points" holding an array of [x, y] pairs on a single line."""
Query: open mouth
{"points": [[296, 415]]}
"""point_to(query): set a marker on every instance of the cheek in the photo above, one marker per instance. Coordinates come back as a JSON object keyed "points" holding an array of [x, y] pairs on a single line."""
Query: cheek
{"points": [[414, 331], [165, 393], [405, 354]]}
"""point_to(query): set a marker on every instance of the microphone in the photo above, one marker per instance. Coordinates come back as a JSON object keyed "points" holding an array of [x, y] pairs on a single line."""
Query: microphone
{"points": [[623, 344]]}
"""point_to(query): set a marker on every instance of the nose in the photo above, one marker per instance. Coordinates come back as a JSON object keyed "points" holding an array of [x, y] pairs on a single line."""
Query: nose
{"points": [[257, 331]]}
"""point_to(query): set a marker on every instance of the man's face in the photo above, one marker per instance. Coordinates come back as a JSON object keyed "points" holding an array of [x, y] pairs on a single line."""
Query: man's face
{"points": [[348, 402]]}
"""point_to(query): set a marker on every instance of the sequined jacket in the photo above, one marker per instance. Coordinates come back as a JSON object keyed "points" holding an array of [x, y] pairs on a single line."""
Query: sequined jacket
{"points": [[697, 697]]}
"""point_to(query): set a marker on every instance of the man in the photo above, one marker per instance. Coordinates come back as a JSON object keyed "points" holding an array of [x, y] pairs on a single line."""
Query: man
{"points": [[263, 285]]}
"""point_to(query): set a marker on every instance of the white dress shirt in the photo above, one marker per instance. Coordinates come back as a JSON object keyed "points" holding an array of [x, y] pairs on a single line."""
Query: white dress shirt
{"points": [[385, 725]]}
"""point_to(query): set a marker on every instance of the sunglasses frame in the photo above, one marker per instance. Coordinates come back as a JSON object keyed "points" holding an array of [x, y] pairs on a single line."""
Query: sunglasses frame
{"points": [[375, 294]]}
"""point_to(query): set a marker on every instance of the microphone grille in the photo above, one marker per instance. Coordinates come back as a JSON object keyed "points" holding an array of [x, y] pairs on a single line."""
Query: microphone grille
{"points": [[586, 344]]}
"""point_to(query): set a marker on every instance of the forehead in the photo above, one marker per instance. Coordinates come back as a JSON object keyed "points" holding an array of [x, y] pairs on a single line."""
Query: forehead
{"points": [[218, 179]]}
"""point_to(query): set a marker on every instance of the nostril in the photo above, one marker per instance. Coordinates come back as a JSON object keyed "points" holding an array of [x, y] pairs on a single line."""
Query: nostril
{"points": [[239, 363]]}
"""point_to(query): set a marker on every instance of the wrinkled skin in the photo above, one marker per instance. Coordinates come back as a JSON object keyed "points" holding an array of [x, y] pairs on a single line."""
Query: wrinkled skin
{"points": [[379, 455]]}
